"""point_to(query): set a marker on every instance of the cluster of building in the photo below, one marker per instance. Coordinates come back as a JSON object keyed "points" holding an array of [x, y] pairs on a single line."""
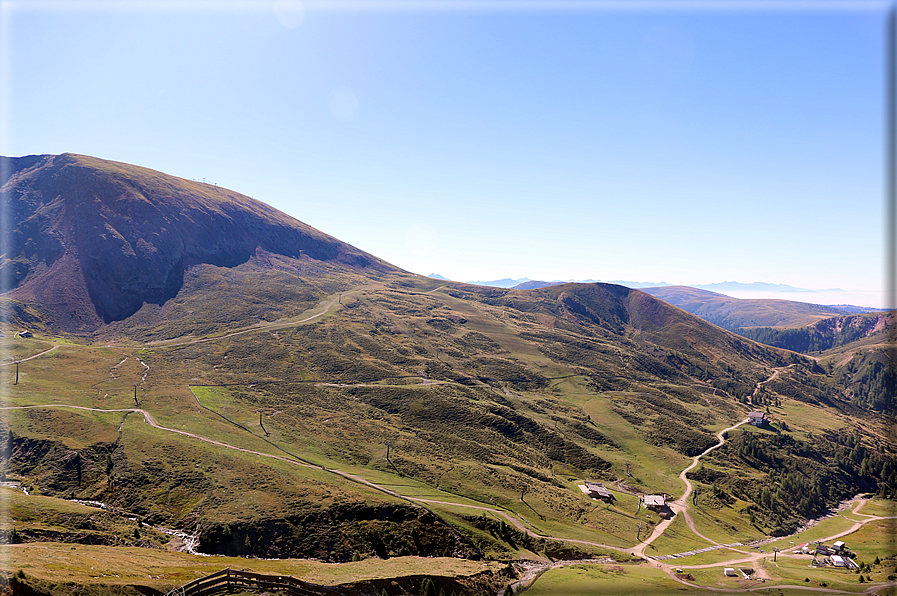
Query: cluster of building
{"points": [[836, 555], [598, 492]]}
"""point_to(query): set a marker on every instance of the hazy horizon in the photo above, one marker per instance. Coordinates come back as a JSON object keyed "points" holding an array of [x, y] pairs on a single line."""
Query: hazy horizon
{"points": [[827, 296]]}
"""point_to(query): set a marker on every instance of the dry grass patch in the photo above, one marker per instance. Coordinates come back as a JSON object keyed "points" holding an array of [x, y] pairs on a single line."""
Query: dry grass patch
{"points": [[162, 570]]}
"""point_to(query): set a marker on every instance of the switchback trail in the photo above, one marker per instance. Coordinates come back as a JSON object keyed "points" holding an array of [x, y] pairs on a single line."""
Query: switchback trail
{"points": [[760, 384]]}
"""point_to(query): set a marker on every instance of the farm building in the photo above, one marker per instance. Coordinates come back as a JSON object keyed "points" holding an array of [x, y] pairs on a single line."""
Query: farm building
{"points": [[757, 418], [839, 546], [730, 572], [24, 333], [596, 490], [655, 502]]}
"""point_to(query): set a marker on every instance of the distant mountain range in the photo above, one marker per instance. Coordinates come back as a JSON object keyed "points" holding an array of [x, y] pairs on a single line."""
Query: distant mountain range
{"points": [[525, 283], [757, 289]]}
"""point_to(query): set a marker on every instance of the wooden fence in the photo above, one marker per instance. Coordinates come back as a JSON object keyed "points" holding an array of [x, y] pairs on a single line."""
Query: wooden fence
{"points": [[231, 579]]}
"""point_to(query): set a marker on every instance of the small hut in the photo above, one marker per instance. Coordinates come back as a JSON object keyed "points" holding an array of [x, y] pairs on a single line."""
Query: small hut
{"points": [[757, 418], [597, 491]]}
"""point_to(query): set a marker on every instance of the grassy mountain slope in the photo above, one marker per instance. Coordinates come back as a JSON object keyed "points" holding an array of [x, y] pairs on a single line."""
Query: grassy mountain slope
{"points": [[856, 350], [826, 334], [737, 314], [481, 393], [278, 386], [91, 241]]}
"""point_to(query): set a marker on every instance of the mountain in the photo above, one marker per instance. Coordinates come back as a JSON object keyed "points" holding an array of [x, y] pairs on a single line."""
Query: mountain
{"points": [[501, 283], [857, 350], [92, 241], [853, 309], [736, 314], [827, 334], [531, 284], [289, 396], [854, 348]]}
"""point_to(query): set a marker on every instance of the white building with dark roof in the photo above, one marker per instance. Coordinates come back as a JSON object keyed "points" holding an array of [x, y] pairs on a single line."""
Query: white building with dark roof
{"points": [[757, 418]]}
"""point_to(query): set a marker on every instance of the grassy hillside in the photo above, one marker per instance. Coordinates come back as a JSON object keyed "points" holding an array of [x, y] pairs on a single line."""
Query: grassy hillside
{"points": [[92, 241], [855, 351], [468, 397], [742, 314], [268, 391], [830, 333]]}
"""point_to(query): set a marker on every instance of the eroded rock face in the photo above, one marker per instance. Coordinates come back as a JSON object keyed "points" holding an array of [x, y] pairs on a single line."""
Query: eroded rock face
{"points": [[95, 240]]}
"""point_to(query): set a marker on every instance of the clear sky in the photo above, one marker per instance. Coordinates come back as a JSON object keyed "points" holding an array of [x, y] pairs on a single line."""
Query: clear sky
{"points": [[684, 142]]}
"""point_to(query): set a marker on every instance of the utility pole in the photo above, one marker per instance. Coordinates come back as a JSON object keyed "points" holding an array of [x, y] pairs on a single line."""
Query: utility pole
{"points": [[267, 434], [522, 490], [638, 534], [17, 374], [696, 493], [388, 445], [628, 473], [136, 403]]}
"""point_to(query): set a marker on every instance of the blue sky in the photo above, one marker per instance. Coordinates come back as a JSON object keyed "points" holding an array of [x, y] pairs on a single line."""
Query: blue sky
{"points": [[681, 142]]}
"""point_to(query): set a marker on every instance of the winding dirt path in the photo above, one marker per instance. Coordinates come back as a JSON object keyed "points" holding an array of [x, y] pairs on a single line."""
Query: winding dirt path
{"points": [[680, 506], [273, 325], [44, 353], [760, 384], [148, 418]]}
